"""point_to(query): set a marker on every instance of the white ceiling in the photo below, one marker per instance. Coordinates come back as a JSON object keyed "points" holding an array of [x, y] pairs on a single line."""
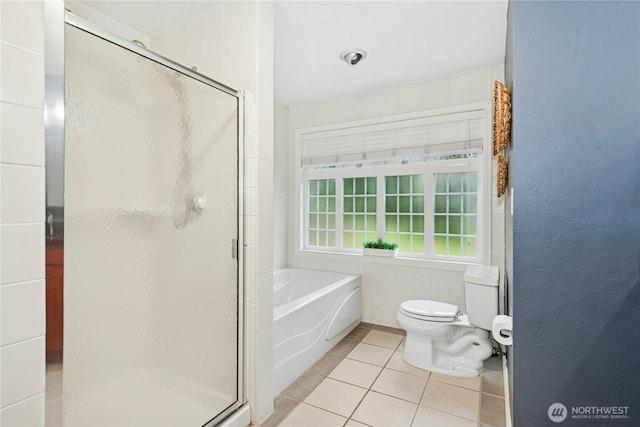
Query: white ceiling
{"points": [[406, 41], [150, 17]]}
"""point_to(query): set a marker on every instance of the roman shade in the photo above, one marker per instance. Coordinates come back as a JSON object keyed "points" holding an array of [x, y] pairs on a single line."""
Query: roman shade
{"points": [[395, 140]]}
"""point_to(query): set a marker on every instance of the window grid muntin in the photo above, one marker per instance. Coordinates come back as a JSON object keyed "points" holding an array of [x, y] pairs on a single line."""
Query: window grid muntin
{"points": [[404, 212], [321, 213], [455, 214], [359, 210]]}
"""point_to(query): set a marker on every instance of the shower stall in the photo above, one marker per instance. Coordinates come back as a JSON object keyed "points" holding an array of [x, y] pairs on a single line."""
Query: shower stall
{"points": [[148, 198]]}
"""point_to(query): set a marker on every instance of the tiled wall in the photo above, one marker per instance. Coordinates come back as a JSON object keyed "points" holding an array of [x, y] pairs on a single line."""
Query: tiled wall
{"points": [[386, 284], [22, 206], [280, 185]]}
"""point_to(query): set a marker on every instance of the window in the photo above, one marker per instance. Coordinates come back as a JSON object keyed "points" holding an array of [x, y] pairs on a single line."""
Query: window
{"points": [[455, 214], [421, 182], [321, 208], [404, 212], [359, 206]]}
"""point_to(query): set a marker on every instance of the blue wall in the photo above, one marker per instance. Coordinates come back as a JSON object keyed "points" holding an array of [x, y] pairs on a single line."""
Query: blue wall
{"points": [[574, 270]]}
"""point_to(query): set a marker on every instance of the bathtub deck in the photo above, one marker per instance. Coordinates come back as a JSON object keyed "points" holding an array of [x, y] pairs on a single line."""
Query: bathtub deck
{"points": [[364, 370]]}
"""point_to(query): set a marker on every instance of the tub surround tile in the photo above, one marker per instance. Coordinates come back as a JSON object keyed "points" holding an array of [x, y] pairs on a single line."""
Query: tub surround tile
{"points": [[380, 410], [23, 82], [22, 311], [22, 203], [452, 399], [13, 16], [428, 417], [492, 410], [397, 363], [28, 412], [310, 416], [22, 248], [382, 339], [21, 135], [472, 383], [336, 396], [401, 385], [356, 373], [22, 372], [371, 354]]}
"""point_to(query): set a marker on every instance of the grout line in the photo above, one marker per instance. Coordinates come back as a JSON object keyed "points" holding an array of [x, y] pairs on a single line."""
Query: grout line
{"points": [[23, 400], [493, 395], [24, 340]]}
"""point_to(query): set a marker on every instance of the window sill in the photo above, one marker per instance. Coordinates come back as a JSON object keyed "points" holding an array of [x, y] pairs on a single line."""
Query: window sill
{"points": [[399, 260]]}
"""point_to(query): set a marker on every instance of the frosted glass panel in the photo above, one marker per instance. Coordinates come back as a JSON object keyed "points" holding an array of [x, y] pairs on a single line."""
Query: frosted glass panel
{"points": [[151, 292]]}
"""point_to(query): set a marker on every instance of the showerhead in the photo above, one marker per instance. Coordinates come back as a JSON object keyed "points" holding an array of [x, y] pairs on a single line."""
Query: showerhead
{"points": [[353, 56]]}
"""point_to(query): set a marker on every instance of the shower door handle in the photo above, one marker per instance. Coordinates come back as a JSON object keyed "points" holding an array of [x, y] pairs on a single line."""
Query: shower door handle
{"points": [[234, 248], [50, 224]]}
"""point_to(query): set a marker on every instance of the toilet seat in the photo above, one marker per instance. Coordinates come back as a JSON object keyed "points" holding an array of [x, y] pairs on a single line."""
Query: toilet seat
{"points": [[433, 311]]}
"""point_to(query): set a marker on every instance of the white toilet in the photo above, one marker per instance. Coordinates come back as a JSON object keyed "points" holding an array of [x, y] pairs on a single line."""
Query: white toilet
{"points": [[443, 340]]}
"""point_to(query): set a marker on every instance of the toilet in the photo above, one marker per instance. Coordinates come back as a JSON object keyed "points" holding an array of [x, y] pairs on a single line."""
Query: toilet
{"points": [[441, 339]]}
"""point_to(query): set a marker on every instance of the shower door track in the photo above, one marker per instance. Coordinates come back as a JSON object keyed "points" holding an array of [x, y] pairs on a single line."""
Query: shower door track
{"points": [[87, 26]]}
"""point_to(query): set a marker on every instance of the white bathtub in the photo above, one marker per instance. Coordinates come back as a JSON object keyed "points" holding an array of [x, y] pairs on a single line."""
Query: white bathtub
{"points": [[312, 311]]}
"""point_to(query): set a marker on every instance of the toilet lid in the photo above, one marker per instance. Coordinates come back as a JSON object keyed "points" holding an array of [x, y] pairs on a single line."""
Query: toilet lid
{"points": [[430, 310]]}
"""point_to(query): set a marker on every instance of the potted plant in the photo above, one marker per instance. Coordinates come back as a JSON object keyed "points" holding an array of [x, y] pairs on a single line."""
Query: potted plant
{"points": [[380, 248]]}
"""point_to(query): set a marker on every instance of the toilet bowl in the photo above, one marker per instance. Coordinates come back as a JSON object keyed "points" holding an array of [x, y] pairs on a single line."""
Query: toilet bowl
{"points": [[441, 339]]}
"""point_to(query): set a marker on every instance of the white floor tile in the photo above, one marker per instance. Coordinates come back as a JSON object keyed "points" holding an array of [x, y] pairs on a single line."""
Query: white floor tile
{"points": [[383, 339], [472, 383], [427, 417], [356, 372], [310, 416], [401, 385], [336, 396], [371, 354], [398, 364], [452, 399], [379, 410]]}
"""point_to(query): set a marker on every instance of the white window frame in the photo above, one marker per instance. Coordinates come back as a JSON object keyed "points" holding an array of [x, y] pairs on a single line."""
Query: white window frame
{"points": [[482, 165]]}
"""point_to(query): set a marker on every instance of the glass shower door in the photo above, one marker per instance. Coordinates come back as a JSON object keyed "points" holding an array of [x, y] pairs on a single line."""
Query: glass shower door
{"points": [[151, 211]]}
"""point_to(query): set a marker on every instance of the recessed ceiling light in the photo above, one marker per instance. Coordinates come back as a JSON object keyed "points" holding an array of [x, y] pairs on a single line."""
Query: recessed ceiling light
{"points": [[353, 56]]}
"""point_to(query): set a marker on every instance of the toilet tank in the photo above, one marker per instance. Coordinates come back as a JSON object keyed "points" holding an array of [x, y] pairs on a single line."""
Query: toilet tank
{"points": [[481, 294]]}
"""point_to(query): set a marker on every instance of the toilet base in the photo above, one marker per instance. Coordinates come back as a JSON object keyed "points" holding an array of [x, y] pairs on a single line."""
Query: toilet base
{"points": [[461, 357]]}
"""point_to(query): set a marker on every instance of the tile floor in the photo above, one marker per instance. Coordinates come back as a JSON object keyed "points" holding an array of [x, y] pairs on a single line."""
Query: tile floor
{"points": [[363, 381]]}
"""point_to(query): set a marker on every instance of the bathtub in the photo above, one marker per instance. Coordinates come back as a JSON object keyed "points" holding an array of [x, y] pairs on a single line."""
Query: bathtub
{"points": [[312, 311]]}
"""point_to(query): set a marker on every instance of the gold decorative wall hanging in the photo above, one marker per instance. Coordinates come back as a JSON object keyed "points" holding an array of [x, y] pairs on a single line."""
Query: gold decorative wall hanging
{"points": [[501, 117], [502, 176]]}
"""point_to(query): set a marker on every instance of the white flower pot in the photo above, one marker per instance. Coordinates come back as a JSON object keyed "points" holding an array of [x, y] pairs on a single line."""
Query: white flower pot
{"points": [[379, 252]]}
